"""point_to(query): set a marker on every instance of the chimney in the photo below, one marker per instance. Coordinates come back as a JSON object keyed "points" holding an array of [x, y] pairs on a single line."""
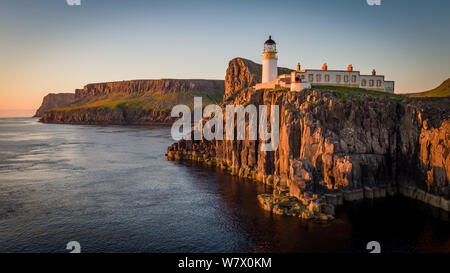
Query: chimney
{"points": [[374, 73], [325, 67], [350, 67], [298, 67]]}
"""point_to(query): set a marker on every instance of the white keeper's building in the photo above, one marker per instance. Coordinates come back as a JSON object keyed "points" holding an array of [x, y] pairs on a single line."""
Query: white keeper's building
{"points": [[303, 78]]}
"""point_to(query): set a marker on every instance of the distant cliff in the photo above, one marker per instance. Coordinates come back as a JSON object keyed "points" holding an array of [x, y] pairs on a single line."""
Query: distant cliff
{"points": [[107, 116], [54, 101], [242, 74], [134, 102]]}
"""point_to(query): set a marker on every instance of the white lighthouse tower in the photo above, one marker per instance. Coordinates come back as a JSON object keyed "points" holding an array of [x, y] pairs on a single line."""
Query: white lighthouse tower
{"points": [[269, 61]]}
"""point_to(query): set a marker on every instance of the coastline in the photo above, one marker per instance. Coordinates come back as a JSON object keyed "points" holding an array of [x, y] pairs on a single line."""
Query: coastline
{"points": [[333, 199], [337, 147]]}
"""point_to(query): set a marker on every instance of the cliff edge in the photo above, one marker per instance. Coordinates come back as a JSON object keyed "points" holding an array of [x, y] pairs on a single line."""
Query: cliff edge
{"points": [[54, 101]]}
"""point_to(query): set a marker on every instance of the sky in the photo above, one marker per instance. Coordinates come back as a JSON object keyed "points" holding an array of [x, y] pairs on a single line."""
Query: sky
{"points": [[47, 46]]}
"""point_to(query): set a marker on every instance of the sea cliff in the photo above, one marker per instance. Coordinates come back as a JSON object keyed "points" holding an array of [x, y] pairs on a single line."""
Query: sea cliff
{"points": [[333, 149], [107, 116], [338, 144]]}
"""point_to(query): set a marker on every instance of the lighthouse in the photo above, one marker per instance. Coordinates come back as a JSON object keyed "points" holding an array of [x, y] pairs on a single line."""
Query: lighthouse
{"points": [[302, 79], [269, 61]]}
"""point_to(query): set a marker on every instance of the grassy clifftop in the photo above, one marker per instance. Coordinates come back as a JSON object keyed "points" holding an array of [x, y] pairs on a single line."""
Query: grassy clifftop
{"points": [[344, 93], [441, 91], [145, 101]]}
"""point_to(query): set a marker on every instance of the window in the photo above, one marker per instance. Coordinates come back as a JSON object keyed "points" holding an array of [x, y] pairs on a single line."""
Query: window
{"points": [[363, 83], [354, 78], [311, 77], [270, 48], [303, 77], [318, 78], [370, 83], [338, 78], [378, 83], [346, 78], [327, 78]]}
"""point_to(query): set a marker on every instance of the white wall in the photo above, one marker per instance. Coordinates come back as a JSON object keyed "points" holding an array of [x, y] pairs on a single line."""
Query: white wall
{"points": [[270, 70], [332, 79], [354, 78], [378, 81], [389, 86]]}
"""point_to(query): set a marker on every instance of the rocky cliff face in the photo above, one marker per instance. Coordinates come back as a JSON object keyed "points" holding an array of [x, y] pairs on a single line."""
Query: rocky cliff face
{"points": [[335, 148], [106, 116], [242, 74], [54, 101]]}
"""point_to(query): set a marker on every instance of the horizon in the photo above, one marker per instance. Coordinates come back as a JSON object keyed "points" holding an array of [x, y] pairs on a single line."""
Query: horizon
{"points": [[123, 40]]}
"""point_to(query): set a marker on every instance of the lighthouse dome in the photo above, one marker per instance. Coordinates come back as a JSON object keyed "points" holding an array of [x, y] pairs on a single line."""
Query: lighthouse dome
{"points": [[270, 41]]}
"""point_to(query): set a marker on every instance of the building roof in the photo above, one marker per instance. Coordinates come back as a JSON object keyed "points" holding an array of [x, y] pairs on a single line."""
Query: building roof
{"points": [[270, 41]]}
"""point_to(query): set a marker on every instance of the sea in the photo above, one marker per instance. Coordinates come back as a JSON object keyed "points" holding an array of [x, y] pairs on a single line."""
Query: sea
{"points": [[112, 190]]}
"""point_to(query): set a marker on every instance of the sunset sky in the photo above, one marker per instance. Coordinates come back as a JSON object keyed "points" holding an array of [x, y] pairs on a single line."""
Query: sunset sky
{"points": [[47, 46]]}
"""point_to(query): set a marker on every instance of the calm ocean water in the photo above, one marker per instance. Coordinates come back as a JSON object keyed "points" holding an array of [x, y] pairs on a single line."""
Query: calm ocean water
{"points": [[112, 189]]}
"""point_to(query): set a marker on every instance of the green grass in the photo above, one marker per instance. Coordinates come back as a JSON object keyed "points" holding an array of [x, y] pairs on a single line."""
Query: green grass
{"points": [[344, 93], [147, 101], [279, 89]]}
